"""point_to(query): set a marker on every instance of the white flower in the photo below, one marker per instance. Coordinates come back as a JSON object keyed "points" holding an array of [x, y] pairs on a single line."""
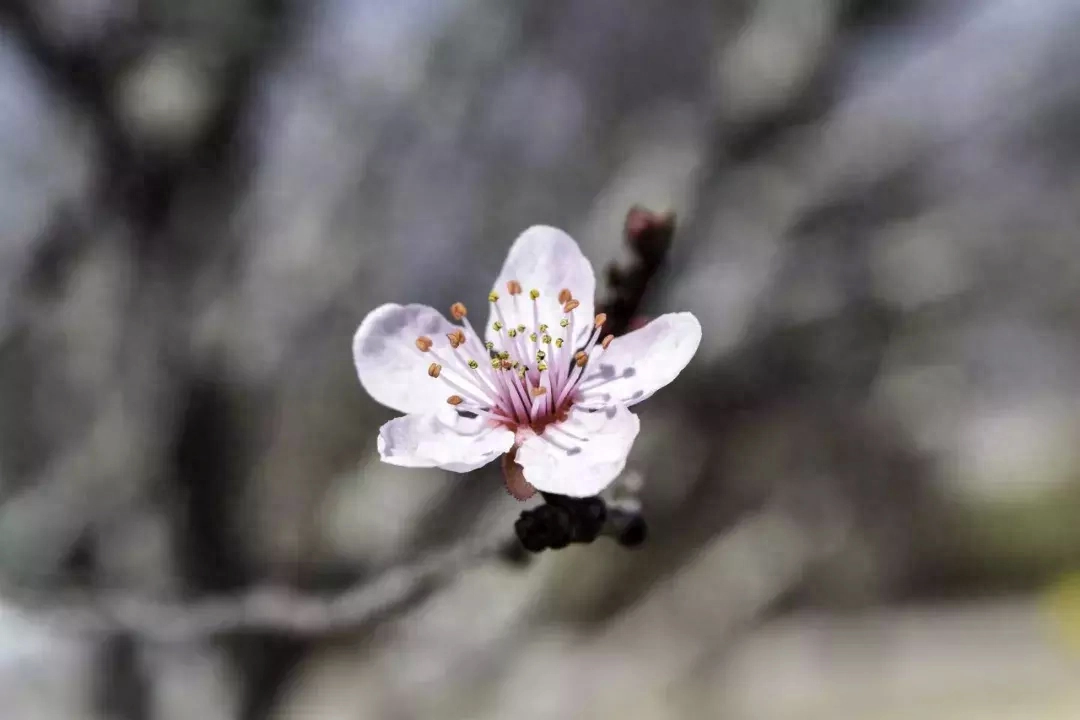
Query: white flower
{"points": [[539, 388]]}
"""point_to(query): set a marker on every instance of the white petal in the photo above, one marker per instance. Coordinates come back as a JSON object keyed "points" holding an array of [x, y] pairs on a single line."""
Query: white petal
{"points": [[638, 364], [557, 463], [442, 439], [546, 259], [390, 367]]}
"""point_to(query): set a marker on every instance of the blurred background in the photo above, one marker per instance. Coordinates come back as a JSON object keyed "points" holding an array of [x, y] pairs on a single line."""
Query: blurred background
{"points": [[863, 494]]}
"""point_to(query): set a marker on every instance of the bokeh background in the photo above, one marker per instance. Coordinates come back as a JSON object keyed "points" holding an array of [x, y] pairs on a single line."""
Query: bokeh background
{"points": [[863, 494]]}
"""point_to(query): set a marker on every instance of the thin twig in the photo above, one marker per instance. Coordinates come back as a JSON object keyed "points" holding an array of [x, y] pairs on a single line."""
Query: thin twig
{"points": [[275, 609], [267, 608]]}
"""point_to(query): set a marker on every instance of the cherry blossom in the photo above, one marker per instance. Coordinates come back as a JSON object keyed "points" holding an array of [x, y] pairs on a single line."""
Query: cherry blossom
{"points": [[541, 387]]}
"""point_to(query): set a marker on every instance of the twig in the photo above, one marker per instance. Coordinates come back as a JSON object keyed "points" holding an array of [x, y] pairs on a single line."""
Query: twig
{"points": [[648, 235], [267, 608], [274, 609]]}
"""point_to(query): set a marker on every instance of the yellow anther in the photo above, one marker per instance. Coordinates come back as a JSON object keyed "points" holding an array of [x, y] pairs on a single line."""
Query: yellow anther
{"points": [[521, 328], [489, 345], [538, 391], [493, 296], [543, 328], [423, 343], [534, 293], [473, 364], [434, 369], [512, 332], [455, 399], [540, 355], [504, 355], [513, 287], [606, 341], [565, 296], [600, 319], [564, 322], [541, 366], [496, 326], [546, 339], [496, 363], [532, 336], [458, 310], [570, 306], [558, 342], [521, 373]]}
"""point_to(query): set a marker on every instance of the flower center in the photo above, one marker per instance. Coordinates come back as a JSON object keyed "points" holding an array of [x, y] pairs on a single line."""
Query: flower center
{"points": [[527, 375]]}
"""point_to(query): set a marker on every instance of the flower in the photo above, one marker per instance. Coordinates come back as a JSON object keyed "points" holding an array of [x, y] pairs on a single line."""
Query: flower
{"points": [[541, 388]]}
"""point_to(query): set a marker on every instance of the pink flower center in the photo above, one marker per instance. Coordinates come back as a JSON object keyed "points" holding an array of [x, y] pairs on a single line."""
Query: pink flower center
{"points": [[528, 376]]}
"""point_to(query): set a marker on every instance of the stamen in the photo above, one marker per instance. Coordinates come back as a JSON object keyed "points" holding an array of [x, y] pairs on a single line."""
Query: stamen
{"points": [[543, 328], [546, 382], [534, 293], [497, 326], [565, 296], [513, 287], [558, 342], [483, 382], [511, 333], [456, 338], [600, 319], [519, 402], [423, 343], [458, 310], [537, 405], [575, 382], [435, 370], [570, 306], [493, 296], [581, 358], [564, 322], [455, 399], [498, 417]]}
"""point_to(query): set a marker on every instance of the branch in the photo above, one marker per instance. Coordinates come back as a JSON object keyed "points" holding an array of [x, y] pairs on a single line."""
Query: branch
{"points": [[284, 610], [648, 235]]}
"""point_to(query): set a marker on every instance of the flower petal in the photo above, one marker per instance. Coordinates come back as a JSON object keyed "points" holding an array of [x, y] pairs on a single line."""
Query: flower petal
{"points": [[390, 367], [546, 259], [581, 456], [639, 363], [443, 439]]}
